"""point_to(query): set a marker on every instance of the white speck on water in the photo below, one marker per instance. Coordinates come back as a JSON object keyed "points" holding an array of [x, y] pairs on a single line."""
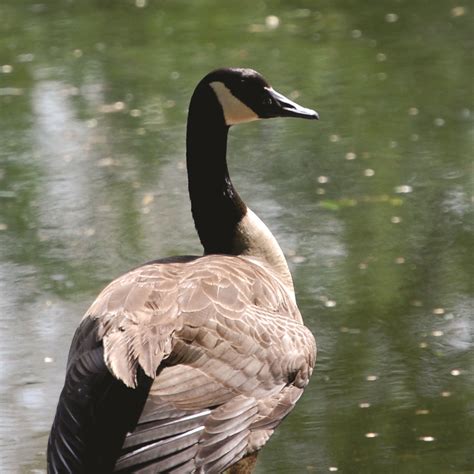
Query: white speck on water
{"points": [[111, 108], [330, 304], [77, 53], [148, 199], [25, 57], [347, 330], [3, 226], [6, 68], [48, 360], [400, 260], [371, 378], [445, 394], [403, 189], [140, 3], [423, 345], [391, 17], [323, 179], [396, 220], [455, 372], [371, 435], [135, 112], [106, 162], [364, 405], [437, 333], [381, 57], [422, 411], [427, 439], [439, 122], [439, 311], [333, 469], [272, 22], [369, 172], [413, 111], [334, 138], [458, 11], [58, 277], [298, 259], [356, 34], [351, 156]]}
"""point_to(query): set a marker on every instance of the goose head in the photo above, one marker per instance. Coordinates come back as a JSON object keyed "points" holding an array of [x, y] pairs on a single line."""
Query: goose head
{"points": [[225, 224], [244, 95]]}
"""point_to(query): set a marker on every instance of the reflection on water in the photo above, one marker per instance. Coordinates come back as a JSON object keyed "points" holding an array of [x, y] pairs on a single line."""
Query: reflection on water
{"points": [[371, 205]]}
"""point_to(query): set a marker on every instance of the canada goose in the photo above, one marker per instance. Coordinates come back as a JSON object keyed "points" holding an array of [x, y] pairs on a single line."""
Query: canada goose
{"points": [[188, 364]]}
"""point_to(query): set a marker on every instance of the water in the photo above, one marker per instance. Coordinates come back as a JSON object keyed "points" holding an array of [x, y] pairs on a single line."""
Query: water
{"points": [[372, 205]]}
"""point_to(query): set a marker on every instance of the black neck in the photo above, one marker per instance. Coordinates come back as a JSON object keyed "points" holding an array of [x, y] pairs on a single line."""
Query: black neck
{"points": [[216, 207]]}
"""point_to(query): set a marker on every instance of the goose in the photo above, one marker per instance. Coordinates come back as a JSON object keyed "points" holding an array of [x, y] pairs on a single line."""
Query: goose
{"points": [[189, 363]]}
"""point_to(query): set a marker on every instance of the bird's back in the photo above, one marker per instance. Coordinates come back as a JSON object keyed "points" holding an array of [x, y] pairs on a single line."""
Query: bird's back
{"points": [[184, 364]]}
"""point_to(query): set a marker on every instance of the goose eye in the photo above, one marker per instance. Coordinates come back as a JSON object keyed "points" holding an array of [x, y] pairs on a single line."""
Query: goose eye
{"points": [[267, 100]]}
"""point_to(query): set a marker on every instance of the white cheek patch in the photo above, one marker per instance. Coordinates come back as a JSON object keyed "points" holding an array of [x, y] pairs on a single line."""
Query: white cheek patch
{"points": [[235, 111]]}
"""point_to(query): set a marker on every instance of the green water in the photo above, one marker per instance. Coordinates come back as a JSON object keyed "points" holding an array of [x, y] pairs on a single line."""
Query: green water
{"points": [[371, 204]]}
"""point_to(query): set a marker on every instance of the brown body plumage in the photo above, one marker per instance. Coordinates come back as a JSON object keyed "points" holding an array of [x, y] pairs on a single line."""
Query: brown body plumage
{"points": [[187, 364]]}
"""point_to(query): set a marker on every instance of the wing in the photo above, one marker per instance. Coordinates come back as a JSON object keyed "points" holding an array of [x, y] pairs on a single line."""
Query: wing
{"points": [[87, 433], [193, 423], [138, 314], [227, 353], [239, 363], [112, 361]]}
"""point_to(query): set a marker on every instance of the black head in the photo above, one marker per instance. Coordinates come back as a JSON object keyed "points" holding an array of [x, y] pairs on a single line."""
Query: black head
{"points": [[245, 95]]}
